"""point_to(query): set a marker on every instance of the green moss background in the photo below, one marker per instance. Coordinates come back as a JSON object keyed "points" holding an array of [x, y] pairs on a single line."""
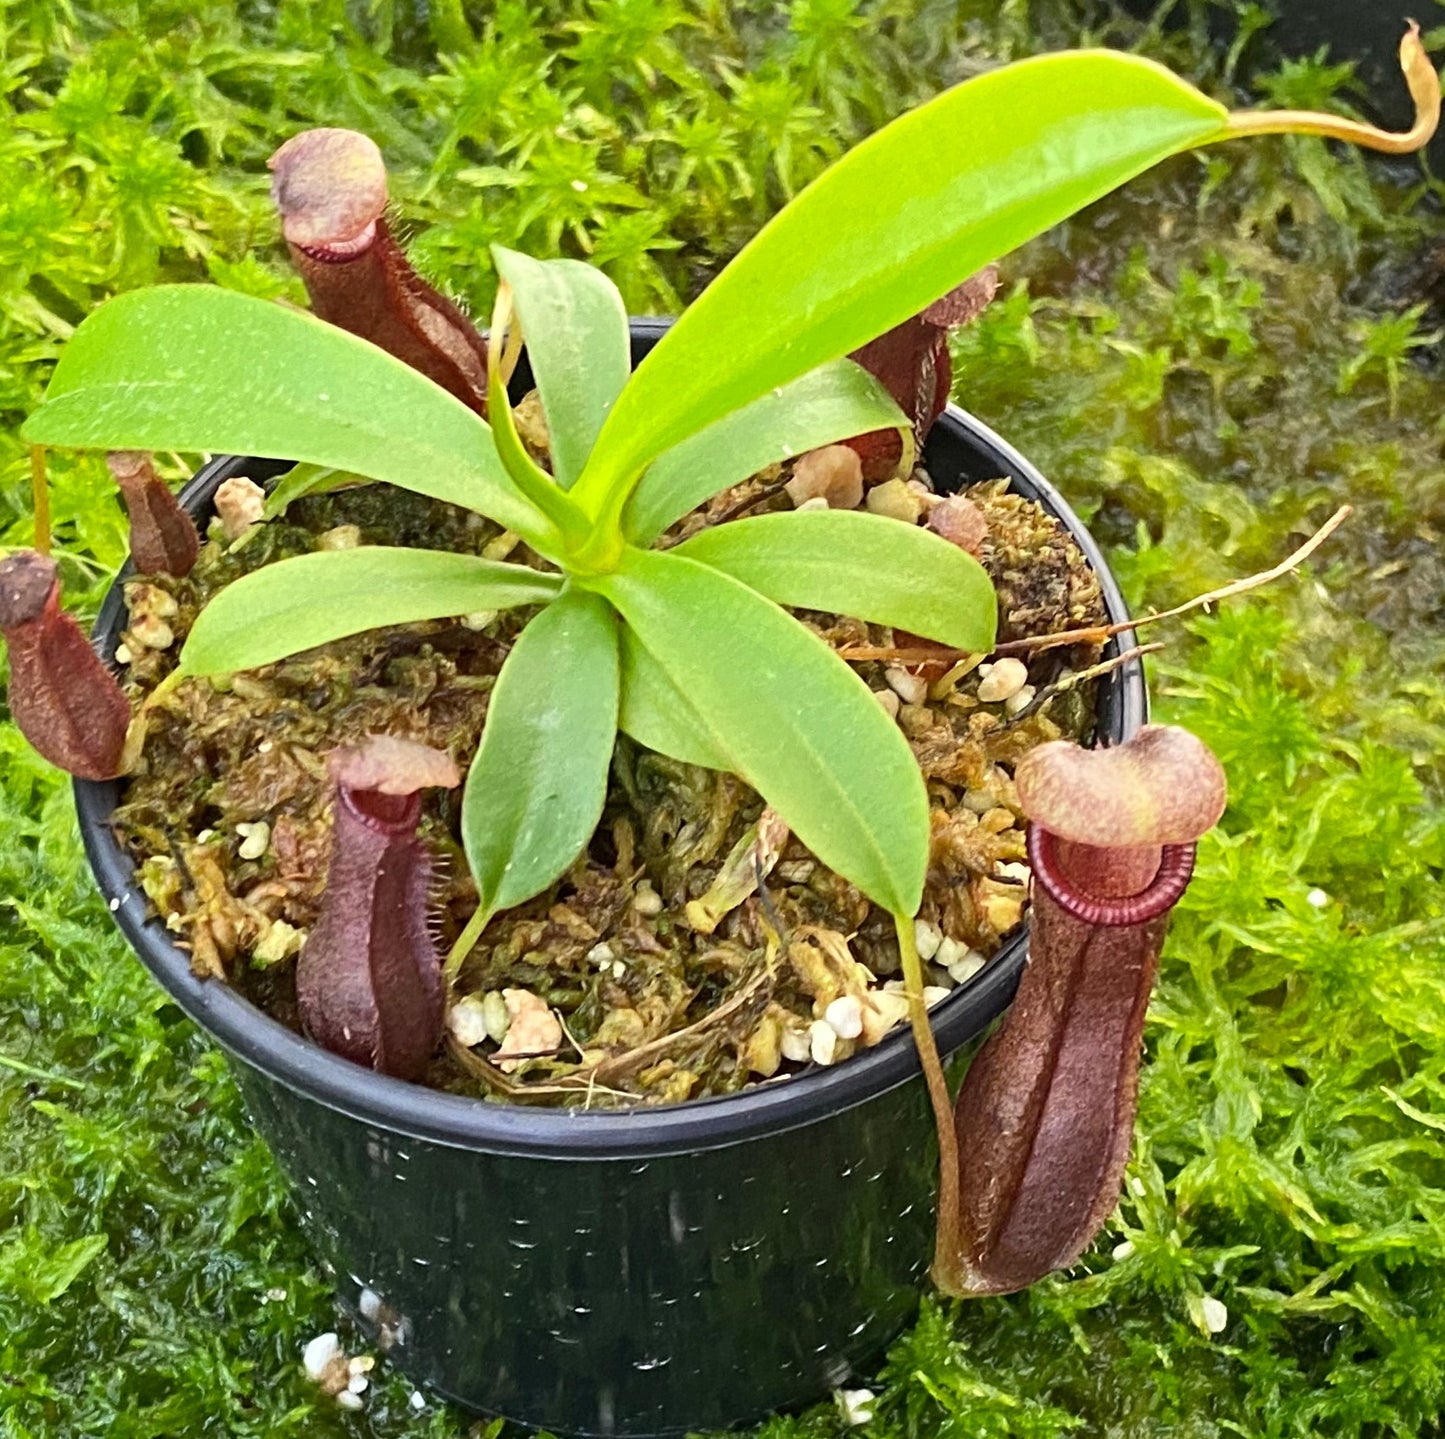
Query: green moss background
{"points": [[1207, 365]]}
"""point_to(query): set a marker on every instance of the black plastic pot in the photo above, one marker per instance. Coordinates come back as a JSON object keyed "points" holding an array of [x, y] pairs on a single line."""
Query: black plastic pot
{"points": [[627, 1273]]}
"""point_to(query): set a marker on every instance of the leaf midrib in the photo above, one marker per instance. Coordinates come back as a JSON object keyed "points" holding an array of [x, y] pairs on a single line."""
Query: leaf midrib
{"points": [[804, 739]]}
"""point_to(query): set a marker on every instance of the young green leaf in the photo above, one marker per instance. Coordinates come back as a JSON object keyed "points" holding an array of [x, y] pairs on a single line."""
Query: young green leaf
{"points": [[834, 402], [306, 480], [535, 790], [575, 327], [162, 369], [657, 714], [858, 564], [799, 725], [295, 604], [897, 222], [529, 477]]}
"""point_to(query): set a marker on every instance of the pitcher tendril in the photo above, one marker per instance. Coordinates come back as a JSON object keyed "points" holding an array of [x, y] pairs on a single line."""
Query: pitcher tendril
{"points": [[946, 1223], [40, 499], [1424, 86]]}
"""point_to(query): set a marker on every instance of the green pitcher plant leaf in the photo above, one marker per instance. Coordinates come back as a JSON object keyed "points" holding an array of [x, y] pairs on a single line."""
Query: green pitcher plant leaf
{"points": [[575, 327], [901, 219], [657, 714], [529, 477], [801, 727], [536, 788], [834, 402], [306, 480], [192, 367], [852, 563], [296, 604]]}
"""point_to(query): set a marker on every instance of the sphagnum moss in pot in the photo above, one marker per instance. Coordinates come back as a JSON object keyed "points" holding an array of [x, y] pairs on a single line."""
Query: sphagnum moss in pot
{"points": [[602, 924]]}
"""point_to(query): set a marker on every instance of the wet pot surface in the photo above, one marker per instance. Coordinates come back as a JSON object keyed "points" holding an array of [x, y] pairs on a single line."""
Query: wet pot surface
{"points": [[641, 1272]]}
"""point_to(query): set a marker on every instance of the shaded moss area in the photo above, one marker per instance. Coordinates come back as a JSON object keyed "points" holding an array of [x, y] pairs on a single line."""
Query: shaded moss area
{"points": [[1207, 365]]}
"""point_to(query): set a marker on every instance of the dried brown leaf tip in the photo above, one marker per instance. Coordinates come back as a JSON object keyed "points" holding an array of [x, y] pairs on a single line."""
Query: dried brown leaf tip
{"points": [[65, 700], [1046, 1113], [911, 361], [369, 980], [163, 538], [330, 188]]}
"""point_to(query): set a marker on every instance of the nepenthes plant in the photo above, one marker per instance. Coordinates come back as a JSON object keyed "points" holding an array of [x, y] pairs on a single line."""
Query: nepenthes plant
{"points": [[690, 650]]}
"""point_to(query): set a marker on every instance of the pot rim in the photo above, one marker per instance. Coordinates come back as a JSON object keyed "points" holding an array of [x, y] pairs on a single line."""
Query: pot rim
{"points": [[249, 1034]]}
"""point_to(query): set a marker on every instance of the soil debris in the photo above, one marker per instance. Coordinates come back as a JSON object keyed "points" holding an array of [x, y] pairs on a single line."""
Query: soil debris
{"points": [[697, 946]]}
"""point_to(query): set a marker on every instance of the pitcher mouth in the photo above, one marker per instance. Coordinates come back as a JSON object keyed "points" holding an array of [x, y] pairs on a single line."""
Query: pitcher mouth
{"points": [[262, 1043], [340, 251]]}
